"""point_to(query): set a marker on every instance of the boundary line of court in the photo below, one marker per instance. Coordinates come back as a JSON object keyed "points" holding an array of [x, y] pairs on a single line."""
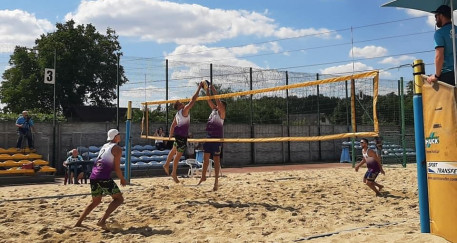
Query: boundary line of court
{"points": [[348, 230]]}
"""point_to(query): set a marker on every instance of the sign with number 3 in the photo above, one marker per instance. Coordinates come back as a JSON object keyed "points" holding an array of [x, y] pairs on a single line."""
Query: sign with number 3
{"points": [[49, 76]]}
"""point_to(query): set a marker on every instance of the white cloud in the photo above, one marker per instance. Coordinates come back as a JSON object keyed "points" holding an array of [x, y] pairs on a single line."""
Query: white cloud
{"points": [[430, 17], [346, 68], [397, 60], [417, 13], [226, 56], [350, 67], [18, 27], [368, 51], [164, 22]]}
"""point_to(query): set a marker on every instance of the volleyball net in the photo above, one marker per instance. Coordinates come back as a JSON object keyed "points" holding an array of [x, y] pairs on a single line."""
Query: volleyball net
{"points": [[350, 99]]}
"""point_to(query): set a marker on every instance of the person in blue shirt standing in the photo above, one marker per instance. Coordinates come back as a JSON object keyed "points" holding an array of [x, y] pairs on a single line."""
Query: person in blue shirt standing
{"points": [[444, 59], [25, 126]]}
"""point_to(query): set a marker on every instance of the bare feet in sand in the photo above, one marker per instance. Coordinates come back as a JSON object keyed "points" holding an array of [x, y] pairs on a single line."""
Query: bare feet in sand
{"points": [[380, 187], [202, 179], [175, 177], [102, 225], [166, 168], [215, 187]]}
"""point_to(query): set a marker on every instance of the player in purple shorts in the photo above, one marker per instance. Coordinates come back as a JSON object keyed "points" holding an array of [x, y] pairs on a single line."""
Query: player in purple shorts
{"points": [[374, 166], [215, 129]]}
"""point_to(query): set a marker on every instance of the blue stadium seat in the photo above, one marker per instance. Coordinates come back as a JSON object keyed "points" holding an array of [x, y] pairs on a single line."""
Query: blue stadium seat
{"points": [[147, 152], [134, 159], [138, 147], [156, 152], [93, 155], [82, 149], [137, 153], [94, 149], [165, 152], [149, 147]]}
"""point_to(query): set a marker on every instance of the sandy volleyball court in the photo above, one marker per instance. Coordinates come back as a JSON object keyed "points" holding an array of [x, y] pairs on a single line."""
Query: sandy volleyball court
{"points": [[280, 206]]}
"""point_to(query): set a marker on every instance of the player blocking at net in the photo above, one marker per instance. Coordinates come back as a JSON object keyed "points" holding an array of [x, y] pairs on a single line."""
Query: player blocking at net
{"points": [[180, 130], [214, 129]]}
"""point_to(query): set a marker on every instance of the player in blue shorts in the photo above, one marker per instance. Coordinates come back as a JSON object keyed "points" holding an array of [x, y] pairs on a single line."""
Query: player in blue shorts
{"points": [[215, 129], [374, 166]]}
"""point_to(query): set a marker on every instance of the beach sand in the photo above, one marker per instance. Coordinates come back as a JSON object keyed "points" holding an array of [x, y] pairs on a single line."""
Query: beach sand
{"points": [[280, 206]]}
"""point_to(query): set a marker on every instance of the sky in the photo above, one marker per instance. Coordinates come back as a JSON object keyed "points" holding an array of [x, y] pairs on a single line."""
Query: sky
{"points": [[318, 36]]}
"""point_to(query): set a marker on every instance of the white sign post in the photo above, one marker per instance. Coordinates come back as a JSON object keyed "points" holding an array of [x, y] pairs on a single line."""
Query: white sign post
{"points": [[49, 76]]}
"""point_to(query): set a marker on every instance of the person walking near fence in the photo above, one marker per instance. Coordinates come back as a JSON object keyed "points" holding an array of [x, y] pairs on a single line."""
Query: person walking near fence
{"points": [[25, 126]]}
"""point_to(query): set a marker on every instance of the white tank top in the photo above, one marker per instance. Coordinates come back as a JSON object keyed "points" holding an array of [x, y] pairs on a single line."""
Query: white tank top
{"points": [[183, 123], [105, 152], [104, 163]]}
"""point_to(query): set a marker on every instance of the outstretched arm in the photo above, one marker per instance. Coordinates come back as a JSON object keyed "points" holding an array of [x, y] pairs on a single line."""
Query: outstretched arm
{"points": [[187, 107], [210, 102], [220, 106]]}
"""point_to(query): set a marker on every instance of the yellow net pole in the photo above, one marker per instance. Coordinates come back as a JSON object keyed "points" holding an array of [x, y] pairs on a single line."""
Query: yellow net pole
{"points": [[375, 102]]}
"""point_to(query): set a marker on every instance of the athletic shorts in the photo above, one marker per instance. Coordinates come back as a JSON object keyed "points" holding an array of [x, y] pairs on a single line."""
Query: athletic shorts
{"points": [[103, 187], [212, 148], [370, 175], [180, 143]]}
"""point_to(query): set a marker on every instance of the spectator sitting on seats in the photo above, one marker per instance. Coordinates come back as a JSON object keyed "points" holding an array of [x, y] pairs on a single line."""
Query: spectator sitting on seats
{"points": [[160, 145], [73, 157], [25, 126]]}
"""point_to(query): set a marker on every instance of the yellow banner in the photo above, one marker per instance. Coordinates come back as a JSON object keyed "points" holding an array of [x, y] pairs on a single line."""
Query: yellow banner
{"points": [[440, 128]]}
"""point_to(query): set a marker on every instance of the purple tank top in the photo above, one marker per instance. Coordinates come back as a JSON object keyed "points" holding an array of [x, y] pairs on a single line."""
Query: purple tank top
{"points": [[101, 170], [372, 165], [215, 125], [104, 163], [182, 126]]}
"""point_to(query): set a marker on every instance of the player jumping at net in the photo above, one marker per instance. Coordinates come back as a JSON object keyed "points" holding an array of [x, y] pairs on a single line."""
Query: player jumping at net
{"points": [[215, 129], [180, 130], [374, 167]]}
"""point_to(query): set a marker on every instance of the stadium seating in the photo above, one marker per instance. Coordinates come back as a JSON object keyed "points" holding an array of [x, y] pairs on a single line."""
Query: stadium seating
{"points": [[13, 161], [142, 157]]}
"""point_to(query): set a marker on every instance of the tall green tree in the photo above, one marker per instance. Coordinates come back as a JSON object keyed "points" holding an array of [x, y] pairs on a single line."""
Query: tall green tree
{"points": [[86, 70]]}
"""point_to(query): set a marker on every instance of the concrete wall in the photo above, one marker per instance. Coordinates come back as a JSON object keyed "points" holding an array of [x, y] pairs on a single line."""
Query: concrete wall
{"points": [[71, 135]]}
